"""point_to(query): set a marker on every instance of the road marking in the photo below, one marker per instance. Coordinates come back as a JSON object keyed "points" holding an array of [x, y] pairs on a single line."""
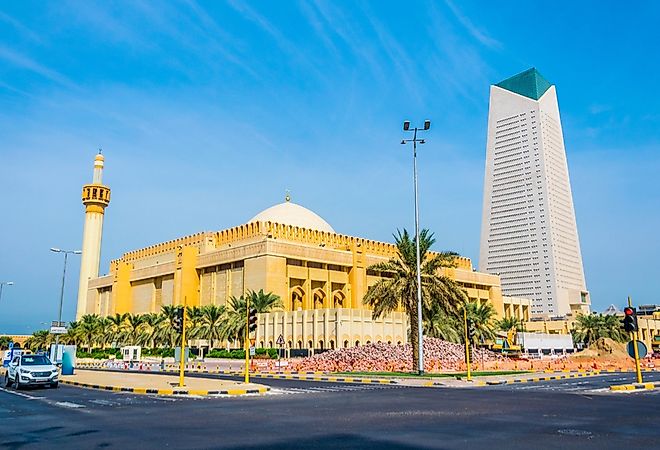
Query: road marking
{"points": [[20, 394], [69, 405]]}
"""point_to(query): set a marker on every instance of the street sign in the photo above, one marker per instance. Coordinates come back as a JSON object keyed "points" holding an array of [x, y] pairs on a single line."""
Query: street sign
{"points": [[280, 341], [253, 351], [252, 341], [57, 330], [641, 349]]}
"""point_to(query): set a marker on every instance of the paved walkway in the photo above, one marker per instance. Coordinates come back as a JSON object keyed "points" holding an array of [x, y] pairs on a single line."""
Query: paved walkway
{"points": [[144, 383]]}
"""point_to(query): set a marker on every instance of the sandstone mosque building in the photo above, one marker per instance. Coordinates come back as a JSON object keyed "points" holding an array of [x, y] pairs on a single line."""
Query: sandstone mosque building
{"points": [[321, 276]]}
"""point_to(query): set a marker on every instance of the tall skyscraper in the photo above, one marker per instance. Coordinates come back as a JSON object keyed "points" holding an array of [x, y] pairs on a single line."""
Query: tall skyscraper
{"points": [[95, 197], [528, 232]]}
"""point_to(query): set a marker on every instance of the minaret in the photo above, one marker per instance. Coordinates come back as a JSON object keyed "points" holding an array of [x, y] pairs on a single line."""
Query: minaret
{"points": [[95, 197]]}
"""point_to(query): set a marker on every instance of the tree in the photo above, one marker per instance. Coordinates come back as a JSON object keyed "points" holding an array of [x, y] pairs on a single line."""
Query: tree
{"points": [[509, 323], [133, 329], [40, 340], [591, 327], [4, 342], [264, 302], [87, 330], [117, 323], [210, 325], [441, 325], [234, 327], [398, 288], [481, 316], [166, 333]]}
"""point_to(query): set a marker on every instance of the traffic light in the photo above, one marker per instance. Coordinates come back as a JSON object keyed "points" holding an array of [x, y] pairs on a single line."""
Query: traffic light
{"points": [[177, 320], [472, 330], [252, 320], [630, 319]]}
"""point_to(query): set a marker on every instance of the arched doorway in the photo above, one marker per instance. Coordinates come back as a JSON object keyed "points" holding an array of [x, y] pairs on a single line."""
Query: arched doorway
{"points": [[297, 299], [338, 299], [319, 298]]}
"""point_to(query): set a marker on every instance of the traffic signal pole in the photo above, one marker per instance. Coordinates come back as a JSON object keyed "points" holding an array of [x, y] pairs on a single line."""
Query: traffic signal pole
{"points": [[247, 339], [635, 336], [182, 355], [467, 345]]}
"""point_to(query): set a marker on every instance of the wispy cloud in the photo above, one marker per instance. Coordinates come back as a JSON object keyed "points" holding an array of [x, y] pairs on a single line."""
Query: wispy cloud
{"points": [[23, 62], [22, 29], [477, 33]]}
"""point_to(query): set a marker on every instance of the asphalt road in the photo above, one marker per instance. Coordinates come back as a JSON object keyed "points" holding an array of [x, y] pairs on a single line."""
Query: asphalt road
{"points": [[330, 415]]}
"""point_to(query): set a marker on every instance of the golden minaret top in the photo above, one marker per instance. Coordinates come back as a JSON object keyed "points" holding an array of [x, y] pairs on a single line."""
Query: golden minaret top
{"points": [[96, 196]]}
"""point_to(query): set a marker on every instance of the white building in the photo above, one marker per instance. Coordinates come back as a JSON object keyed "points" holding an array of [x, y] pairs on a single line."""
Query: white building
{"points": [[529, 233]]}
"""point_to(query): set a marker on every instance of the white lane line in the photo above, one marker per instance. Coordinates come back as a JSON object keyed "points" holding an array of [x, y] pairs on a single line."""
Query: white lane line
{"points": [[69, 405], [20, 394], [43, 399]]}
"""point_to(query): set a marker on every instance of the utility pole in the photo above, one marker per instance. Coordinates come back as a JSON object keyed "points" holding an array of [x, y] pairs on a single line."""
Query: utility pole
{"points": [[467, 344], [182, 359], [420, 330], [247, 339], [59, 315]]}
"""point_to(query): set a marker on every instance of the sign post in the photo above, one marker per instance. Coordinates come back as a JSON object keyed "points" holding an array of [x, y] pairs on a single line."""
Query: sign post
{"points": [[280, 344]]}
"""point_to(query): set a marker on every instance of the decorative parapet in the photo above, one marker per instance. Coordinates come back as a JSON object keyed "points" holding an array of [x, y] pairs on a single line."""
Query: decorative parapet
{"points": [[206, 241]]}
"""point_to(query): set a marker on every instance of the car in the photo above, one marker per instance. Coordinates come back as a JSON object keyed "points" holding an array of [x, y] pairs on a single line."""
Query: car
{"points": [[31, 370]]}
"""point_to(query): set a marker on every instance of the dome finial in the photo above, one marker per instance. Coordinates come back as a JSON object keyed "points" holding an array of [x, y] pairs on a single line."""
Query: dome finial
{"points": [[287, 197]]}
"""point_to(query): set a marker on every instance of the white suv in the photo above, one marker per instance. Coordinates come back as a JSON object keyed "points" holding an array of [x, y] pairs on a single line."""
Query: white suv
{"points": [[31, 370]]}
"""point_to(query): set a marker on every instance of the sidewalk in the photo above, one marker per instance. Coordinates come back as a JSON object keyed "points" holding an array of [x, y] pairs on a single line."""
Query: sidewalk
{"points": [[144, 383]]}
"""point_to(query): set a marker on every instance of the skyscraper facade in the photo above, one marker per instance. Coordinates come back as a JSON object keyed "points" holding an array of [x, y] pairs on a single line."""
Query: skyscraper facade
{"points": [[529, 232]]}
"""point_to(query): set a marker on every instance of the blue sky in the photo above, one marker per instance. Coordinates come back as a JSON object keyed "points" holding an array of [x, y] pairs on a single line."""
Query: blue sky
{"points": [[208, 111]]}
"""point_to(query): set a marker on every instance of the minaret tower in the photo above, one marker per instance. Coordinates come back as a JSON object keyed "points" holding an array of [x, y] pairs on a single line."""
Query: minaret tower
{"points": [[95, 197]]}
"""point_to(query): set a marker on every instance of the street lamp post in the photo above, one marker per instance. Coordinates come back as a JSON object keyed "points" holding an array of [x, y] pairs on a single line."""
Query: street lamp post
{"points": [[420, 335], [66, 255], [4, 283]]}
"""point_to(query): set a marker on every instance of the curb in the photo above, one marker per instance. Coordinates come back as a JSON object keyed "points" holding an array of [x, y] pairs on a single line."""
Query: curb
{"points": [[326, 379], [635, 386], [147, 391], [538, 379]]}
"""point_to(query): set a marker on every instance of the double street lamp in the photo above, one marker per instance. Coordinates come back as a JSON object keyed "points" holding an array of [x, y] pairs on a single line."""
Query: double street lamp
{"points": [[4, 283], [420, 335], [66, 255]]}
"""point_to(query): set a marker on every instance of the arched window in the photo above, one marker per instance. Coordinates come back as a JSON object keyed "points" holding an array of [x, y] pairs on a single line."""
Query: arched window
{"points": [[345, 344], [299, 344], [357, 343], [332, 344], [310, 344], [321, 344]]}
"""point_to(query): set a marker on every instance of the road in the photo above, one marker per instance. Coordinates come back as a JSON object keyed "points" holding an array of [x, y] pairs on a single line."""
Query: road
{"points": [[298, 414]]}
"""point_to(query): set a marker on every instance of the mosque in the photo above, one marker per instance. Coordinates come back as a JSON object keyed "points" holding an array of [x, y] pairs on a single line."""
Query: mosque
{"points": [[321, 275]]}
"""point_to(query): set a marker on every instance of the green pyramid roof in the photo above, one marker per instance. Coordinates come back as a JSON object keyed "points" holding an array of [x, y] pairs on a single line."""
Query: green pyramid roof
{"points": [[529, 83]]}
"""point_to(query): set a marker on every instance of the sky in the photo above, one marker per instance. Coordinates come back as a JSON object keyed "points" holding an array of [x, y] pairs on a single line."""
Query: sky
{"points": [[207, 112]]}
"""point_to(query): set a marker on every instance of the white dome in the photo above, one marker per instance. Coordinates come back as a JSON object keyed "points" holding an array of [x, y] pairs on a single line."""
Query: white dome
{"points": [[288, 213]]}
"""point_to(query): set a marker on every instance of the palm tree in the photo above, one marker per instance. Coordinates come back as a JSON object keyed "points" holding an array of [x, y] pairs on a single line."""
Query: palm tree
{"points": [[153, 323], [166, 333], [116, 331], [591, 327], [234, 326], [211, 324], [194, 316], [481, 315], [264, 302], [441, 325], [509, 323], [39, 340], [133, 329], [104, 332], [87, 330], [398, 288]]}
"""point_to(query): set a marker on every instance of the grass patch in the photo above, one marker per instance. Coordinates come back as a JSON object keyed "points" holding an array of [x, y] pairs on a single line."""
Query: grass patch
{"points": [[433, 375]]}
